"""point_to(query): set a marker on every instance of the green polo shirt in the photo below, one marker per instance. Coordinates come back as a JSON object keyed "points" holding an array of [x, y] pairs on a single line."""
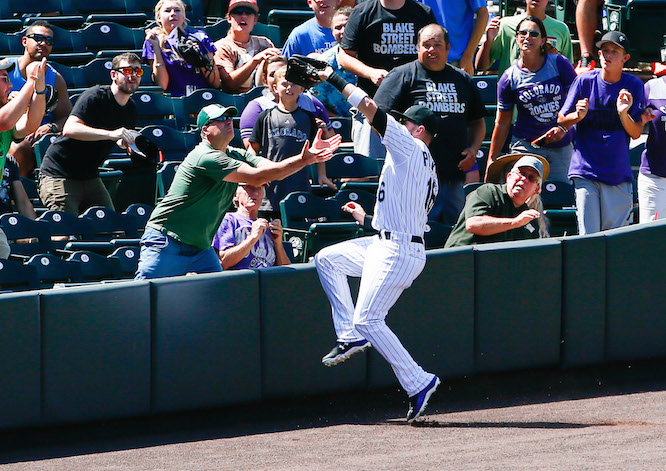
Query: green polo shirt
{"points": [[490, 200], [199, 196]]}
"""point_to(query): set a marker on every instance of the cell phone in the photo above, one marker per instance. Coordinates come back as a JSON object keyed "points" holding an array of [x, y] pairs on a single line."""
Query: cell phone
{"points": [[539, 142]]}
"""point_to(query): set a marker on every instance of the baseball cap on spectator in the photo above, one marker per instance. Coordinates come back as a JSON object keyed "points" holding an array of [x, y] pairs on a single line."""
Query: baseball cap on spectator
{"points": [[251, 4], [8, 66], [211, 112], [420, 115], [615, 37], [504, 163]]}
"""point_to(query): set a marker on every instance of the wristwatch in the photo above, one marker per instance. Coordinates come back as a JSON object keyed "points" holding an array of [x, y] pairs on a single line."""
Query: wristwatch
{"points": [[53, 127]]}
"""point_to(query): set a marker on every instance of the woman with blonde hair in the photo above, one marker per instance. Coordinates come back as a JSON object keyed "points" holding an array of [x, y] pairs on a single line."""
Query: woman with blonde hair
{"points": [[166, 48]]}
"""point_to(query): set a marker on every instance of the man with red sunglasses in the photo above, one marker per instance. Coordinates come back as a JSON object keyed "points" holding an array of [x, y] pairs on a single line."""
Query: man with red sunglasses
{"points": [[102, 116]]}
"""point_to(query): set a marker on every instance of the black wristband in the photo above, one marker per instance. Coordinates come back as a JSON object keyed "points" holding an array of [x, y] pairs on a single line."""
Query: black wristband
{"points": [[337, 81], [367, 221]]}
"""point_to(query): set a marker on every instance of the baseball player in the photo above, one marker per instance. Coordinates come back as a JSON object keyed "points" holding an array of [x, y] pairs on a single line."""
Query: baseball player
{"points": [[389, 262]]}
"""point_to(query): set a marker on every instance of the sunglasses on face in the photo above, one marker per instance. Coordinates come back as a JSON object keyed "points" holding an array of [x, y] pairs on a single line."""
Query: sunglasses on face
{"points": [[138, 71], [526, 32], [41, 38], [242, 11], [221, 119]]}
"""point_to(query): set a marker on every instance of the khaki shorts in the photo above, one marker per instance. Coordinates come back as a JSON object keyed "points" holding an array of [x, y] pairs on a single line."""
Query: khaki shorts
{"points": [[73, 196]]}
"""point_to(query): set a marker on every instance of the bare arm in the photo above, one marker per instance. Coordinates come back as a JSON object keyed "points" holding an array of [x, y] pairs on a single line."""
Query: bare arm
{"points": [[482, 61], [624, 102], [350, 62], [77, 129], [266, 171], [489, 225], [467, 58], [477, 130], [575, 116], [500, 133], [157, 66], [13, 115], [22, 201], [233, 79], [232, 255], [281, 257]]}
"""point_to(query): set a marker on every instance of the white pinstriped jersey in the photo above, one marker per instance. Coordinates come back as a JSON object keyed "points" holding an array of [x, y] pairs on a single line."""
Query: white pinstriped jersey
{"points": [[408, 183]]}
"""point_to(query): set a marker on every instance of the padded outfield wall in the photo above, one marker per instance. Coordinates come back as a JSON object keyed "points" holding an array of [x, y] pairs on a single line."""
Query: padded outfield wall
{"points": [[137, 348]]}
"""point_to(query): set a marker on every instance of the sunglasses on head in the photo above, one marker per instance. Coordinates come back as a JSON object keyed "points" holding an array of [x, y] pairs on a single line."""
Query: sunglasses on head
{"points": [[242, 11], [138, 71], [527, 32], [41, 38]]}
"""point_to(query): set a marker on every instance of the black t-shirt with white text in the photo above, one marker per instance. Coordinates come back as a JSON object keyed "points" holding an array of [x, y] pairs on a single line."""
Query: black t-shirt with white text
{"points": [[384, 39], [451, 94], [79, 160]]}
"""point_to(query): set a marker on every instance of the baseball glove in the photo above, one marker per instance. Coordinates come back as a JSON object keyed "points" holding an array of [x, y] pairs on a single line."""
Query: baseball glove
{"points": [[189, 50], [304, 71]]}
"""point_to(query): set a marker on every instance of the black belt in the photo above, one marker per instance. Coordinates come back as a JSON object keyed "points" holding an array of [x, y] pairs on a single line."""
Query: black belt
{"points": [[387, 236]]}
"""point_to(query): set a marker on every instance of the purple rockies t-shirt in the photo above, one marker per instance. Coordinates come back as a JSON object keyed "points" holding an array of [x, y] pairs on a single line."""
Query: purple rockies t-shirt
{"points": [[235, 228], [181, 74], [538, 96], [601, 145], [653, 159]]}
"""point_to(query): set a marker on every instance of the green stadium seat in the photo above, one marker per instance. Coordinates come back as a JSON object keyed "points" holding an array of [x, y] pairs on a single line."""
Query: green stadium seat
{"points": [[30, 7], [69, 22], [110, 36], [96, 267], [487, 86], [312, 223], [108, 224], [131, 20], [25, 236], [643, 22], [128, 258], [489, 118], [165, 175], [557, 195], [192, 104], [15, 276], [64, 224], [51, 269], [287, 20], [435, 234], [171, 142], [154, 108], [9, 25], [141, 213], [86, 7]]}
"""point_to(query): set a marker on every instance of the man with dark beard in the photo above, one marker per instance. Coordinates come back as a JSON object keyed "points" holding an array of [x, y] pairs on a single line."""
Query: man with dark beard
{"points": [[103, 115]]}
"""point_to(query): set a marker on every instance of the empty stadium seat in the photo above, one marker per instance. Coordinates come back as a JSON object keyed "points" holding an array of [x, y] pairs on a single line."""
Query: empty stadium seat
{"points": [[25, 236], [111, 36], [192, 104], [141, 213], [15, 276], [108, 224], [171, 142], [42, 145], [128, 258], [154, 108], [487, 87], [66, 226], [435, 234], [165, 175], [95, 267], [312, 223], [51, 269]]}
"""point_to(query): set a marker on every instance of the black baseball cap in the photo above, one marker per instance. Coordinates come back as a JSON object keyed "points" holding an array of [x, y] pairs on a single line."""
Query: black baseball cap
{"points": [[420, 115], [615, 37]]}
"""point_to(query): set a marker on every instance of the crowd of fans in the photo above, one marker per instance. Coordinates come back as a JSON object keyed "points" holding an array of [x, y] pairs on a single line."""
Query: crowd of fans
{"points": [[403, 53]]}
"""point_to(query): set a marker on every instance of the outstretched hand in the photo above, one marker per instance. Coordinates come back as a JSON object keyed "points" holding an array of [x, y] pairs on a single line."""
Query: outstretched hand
{"points": [[356, 210], [320, 145]]}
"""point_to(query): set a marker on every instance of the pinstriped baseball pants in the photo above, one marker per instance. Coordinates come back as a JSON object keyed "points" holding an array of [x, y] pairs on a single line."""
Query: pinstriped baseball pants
{"points": [[386, 268]]}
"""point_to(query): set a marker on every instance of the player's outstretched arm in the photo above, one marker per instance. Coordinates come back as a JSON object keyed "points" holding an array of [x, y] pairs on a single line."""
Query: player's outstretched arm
{"points": [[354, 95]]}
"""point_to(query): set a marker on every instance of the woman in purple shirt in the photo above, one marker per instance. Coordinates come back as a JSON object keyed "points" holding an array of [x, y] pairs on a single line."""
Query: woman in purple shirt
{"points": [[160, 49], [536, 84]]}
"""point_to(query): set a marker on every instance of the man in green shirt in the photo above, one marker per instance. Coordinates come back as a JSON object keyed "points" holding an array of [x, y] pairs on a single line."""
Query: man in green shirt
{"points": [[178, 235], [499, 212], [500, 43]]}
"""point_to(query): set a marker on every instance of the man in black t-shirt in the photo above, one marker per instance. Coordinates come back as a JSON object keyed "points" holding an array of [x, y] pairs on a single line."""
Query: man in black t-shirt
{"points": [[448, 91], [380, 35], [103, 115]]}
